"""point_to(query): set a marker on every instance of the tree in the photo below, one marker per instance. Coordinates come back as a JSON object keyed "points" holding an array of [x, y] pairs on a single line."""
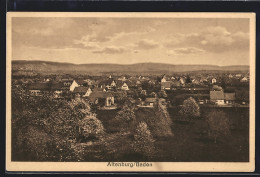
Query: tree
{"points": [[188, 79], [218, 124], [242, 95], [91, 128], [143, 140], [145, 85], [125, 118], [45, 129], [190, 108]]}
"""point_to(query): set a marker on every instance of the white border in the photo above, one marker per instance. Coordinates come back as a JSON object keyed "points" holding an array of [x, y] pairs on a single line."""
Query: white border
{"points": [[157, 166]]}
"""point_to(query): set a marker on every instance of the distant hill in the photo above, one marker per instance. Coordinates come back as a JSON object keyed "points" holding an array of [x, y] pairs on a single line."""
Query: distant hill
{"points": [[148, 68]]}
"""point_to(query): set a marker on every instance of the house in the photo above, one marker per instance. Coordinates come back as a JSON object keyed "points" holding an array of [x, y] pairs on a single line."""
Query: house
{"points": [[213, 80], [143, 92], [238, 75], [37, 89], [109, 84], [89, 82], [122, 85], [82, 91], [230, 76], [57, 89], [99, 89], [182, 81], [46, 80], [119, 95], [166, 85], [176, 83], [150, 101], [244, 79], [102, 98], [77, 83], [138, 82], [122, 78], [164, 79], [195, 81], [217, 97], [216, 88], [113, 84], [229, 98], [66, 84]]}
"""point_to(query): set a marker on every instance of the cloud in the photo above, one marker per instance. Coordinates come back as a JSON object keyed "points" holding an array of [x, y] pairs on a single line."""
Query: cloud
{"points": [[51, 32], [147, 44], [185, 51], [110, 50], [213, 39], [86, 43]]}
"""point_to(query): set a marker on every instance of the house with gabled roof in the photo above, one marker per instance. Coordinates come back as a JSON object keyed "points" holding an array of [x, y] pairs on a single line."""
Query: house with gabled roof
{"points": [[230, 98], [150, 101], [122, 85], [77, 83], [244, 79], [217, 97], [82, 91], [37, 89], [109, 84], [57, 89], [102, 98], [166, 85]]}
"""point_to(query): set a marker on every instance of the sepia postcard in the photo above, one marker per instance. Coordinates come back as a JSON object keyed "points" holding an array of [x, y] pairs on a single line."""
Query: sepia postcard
{"points": [[130, 92]]}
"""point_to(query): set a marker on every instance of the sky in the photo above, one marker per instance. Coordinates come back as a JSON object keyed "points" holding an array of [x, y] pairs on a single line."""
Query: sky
{"points": [[220, 41]]}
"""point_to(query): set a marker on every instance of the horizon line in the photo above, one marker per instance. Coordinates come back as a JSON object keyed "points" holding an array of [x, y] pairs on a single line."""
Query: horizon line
{"points": [[127, 64]]}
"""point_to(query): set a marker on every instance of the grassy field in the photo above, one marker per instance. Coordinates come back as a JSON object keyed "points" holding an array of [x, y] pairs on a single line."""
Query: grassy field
{"points": [[190, 141]]}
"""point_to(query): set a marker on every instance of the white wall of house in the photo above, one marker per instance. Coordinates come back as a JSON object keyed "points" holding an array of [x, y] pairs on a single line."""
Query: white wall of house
{"points": [[124, 87], [220, 102], [213, 81], [113, 84], [163, 80], [89, 91], [73, 86], [109, 101]]}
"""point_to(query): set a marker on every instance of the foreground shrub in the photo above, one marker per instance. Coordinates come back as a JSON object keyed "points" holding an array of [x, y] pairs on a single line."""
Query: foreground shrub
{"points": [[190, 108], [124, 120], [218, 124], [143, 140], [91, 128], [44, 129]]}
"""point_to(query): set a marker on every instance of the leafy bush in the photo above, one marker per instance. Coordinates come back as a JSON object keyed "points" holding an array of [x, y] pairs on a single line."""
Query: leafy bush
{"points": [[158, 119], [44, 129], [190, 108], [143, 140], [124, 120], [91, 128]]}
